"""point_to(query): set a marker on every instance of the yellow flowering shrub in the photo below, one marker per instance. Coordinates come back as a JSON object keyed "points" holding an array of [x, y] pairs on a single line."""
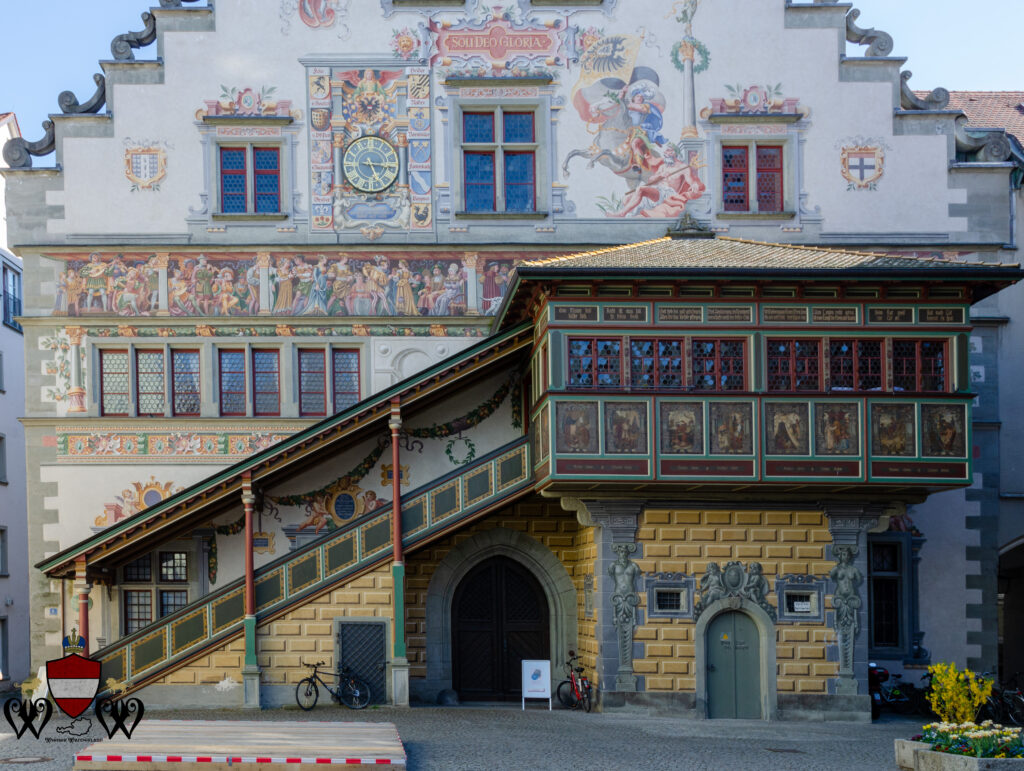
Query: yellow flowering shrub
{"points": [[956, 696]]}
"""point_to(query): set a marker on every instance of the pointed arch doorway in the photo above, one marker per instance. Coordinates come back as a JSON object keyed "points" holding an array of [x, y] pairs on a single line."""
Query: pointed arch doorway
{"points": [[499, 617]]}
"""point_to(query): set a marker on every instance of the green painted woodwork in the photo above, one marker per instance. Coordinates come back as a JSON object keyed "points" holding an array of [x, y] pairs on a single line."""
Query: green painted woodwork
{"points": [[113, 667], [220, 616], [478, 485], [963, 370], [304, 572], [376, 535], [733, 667], [398, 594], [269, 589]]}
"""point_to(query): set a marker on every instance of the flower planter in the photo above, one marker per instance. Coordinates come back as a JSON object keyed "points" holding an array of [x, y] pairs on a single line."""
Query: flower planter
{"points": [[905, 749], [916, 756]]}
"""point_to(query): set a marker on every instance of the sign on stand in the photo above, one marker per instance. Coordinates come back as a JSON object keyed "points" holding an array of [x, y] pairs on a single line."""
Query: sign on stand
{"points": [[536, 681]]}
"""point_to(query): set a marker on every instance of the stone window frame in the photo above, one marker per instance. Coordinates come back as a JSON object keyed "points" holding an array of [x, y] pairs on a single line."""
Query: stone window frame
{"points": [[287, 144], [804, 582], [904, 541], [686, 585]]}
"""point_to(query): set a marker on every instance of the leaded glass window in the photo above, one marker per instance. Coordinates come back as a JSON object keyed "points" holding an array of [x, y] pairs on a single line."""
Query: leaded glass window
{"points": [[794, 365], [185, 382], [312, 383], [115, 393], [266, 391], [595, 363], [346, 378], [232, 382], [149, 373], [718, 365]]}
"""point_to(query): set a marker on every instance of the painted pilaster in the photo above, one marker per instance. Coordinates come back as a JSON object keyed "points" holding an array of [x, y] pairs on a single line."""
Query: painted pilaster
{"points": [[159, 263], [263, 266], [472, 262], [250, 668], [849, 525], [617, 576], [76, 394]]}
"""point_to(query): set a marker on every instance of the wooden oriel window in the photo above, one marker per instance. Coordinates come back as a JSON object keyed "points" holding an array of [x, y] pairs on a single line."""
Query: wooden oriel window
{"points": [[919, 365], [718, 365], [595, 362], [793, 365], [856, 365], [656, 364], [312, 383]]}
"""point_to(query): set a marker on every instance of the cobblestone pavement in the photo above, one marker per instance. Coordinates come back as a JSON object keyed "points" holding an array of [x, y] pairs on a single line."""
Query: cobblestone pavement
{"points": [[507, 738]]}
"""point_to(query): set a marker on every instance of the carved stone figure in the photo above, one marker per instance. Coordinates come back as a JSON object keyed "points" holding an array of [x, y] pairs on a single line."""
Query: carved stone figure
{"points": [[846, 600], [625, 599], [711, 587], [734, 581], [756, 585]]}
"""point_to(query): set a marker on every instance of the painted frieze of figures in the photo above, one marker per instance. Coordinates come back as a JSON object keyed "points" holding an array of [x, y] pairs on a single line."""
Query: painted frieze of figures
{"points": [[284, 284]]}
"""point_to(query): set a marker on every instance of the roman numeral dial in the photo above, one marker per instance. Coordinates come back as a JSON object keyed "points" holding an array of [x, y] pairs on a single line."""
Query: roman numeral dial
{"points": [[370, 164]]}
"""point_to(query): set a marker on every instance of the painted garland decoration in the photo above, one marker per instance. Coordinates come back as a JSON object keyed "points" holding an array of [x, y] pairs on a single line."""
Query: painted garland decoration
{"points": [[345, 480], [701, 49], [475, 416]]}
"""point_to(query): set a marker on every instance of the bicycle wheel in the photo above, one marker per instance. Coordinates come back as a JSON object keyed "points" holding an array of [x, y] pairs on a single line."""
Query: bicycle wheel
{"points": [[306, 693], [1015, 710], [355, 694], [586, 699], [566, 695]]}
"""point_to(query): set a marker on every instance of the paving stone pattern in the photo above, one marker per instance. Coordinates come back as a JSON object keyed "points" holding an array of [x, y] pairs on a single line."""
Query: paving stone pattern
{"points": [[506, 738]]}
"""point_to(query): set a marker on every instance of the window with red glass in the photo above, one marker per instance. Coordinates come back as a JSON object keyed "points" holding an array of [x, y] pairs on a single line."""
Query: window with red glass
{"points": [[718, 365], [855, 365], [115, 396], [918, 365], [656, 364], [794, 365], [595, 362], [767, 174], [149, 382], [312, 383], [232, 382], [345, 377], [266, 382]]}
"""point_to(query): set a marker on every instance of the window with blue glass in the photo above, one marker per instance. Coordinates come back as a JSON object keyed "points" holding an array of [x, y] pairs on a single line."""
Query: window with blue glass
{"points": [[499, 161], [250, 180]]}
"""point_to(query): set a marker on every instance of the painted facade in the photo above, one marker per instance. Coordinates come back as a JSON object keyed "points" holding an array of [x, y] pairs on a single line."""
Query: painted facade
{"points": [[294, 209]]}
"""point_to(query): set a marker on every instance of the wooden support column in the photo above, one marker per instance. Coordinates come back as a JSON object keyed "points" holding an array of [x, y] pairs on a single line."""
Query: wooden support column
{"points": [[399, 663], [250, 668], [82, 587]]}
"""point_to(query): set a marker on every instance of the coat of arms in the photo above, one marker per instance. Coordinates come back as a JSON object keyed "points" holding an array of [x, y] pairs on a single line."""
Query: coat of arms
{"points": [[862, 166], [145, 167], [74, 679]]}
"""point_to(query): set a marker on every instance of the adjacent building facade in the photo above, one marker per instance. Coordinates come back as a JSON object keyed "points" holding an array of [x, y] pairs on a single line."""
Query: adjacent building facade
{"points": [[288, 223]]}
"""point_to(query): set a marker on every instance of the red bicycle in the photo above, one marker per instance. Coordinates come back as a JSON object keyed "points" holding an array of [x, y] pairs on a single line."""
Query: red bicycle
{"points": [[574, 691]]}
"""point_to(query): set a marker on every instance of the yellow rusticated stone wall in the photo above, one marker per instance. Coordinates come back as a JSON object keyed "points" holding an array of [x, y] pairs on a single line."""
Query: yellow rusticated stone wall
{"points": [[686, 540], [541, 519], [586, 560], [303, 634]]}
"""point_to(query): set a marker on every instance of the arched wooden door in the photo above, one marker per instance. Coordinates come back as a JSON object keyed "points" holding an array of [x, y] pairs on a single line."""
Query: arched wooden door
{"points": [[733, 667], [499, 617]]}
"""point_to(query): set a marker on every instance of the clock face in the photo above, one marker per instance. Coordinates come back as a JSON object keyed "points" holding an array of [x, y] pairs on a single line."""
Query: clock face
{"points": [[371, 164]]}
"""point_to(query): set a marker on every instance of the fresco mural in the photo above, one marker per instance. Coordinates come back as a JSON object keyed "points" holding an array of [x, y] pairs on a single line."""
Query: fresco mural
{"points": [[892, 430], [682, 428], [836, 429], [786, 429], [576, 427], [732, 428], [944, 430], [625, 427], [207, 446], [339, 284], [132, 500]]}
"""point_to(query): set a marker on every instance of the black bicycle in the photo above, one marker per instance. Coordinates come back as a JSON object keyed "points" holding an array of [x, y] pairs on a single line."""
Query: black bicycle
{"points": [[350, 691]]}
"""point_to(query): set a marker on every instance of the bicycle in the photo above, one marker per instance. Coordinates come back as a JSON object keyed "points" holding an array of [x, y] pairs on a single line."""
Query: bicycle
{"points": [[350, 691], [574, 691]]}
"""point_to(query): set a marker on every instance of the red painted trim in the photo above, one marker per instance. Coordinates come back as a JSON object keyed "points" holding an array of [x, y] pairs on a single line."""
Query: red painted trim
{"points": [[744, 171], [275, 172], [234, 172], [396, 481], [493, 183]]}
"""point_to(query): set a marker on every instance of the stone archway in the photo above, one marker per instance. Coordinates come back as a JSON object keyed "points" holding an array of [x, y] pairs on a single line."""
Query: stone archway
{"points": [[559, 590], [766, 636]]}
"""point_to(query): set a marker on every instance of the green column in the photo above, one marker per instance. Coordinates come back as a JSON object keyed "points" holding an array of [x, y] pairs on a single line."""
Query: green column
{"points": [[398, 581]]}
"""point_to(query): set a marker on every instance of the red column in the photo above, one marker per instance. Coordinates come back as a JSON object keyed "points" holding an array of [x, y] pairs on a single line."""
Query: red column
{"points": [[82, 586], [396, 481], [248, 499]]}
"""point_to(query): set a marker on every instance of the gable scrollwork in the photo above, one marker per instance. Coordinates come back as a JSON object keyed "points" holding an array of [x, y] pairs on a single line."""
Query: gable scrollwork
{"points": [[987, 145], [879, 43], [122, 45], [69, 104], [937, 99], [734, 580], [18, 152]]}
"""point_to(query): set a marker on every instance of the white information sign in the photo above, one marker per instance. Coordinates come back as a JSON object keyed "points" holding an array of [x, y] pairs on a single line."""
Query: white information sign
{"points": [[536, 681]]}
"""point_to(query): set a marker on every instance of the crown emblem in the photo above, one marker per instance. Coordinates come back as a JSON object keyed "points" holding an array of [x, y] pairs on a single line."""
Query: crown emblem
{"points": [[73, 643]]}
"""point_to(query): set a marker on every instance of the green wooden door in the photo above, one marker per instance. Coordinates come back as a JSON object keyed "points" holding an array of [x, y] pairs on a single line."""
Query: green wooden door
{"points": [[733, 667]]}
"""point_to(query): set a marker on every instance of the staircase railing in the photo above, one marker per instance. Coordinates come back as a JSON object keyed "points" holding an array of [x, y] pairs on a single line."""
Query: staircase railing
{"points": [[362, 543]]}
